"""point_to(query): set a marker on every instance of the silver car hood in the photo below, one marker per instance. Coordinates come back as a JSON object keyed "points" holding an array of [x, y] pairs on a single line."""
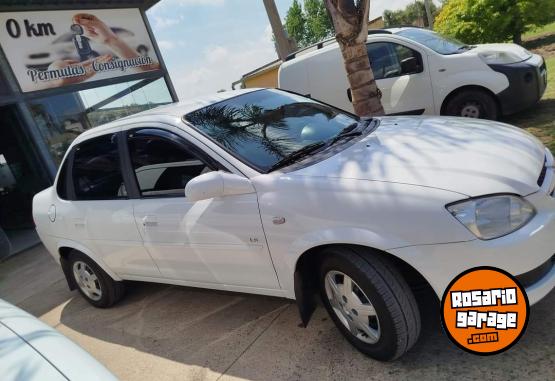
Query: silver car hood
{"points": [[469, 156]]}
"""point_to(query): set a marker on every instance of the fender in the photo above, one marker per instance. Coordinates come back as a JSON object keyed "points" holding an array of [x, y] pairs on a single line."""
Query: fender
{"points": [[302, 290], [490, 80], [63, 242]]}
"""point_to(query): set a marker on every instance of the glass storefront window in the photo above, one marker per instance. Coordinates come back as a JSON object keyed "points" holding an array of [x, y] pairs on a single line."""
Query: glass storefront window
{"points": [[61, 118]]}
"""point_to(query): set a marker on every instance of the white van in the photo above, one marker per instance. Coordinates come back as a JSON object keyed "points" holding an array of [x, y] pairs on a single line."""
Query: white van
{"points": [[420, 72]]}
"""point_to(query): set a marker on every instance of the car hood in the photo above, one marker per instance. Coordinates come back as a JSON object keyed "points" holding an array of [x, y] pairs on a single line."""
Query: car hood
{"points": [[469, 156], [510, 53]]}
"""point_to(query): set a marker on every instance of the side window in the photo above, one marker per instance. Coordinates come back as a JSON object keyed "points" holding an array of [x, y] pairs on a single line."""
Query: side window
{"points": [[162, 162], [96, 170], [411, 60], [390, 60]]}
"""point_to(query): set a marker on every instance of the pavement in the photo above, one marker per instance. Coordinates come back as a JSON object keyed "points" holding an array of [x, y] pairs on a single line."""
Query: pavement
{"points": [[161, 332]]}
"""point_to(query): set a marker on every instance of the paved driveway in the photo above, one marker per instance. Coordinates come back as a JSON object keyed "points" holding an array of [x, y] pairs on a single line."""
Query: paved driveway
{"points": [[167, 333]]}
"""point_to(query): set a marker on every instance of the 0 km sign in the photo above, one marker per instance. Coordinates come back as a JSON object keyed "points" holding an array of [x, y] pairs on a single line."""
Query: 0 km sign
{"points": [[51, 49], [485, 310]]}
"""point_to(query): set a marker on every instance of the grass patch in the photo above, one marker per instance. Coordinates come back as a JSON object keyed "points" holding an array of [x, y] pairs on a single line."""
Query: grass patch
{"points": [[540, 119], [546, 29]]}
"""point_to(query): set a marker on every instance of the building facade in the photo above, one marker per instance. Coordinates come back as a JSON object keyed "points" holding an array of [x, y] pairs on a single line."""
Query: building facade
{"points": [[66, 66]]}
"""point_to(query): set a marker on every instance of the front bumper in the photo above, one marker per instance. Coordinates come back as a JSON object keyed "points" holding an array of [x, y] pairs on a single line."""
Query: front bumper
{"points": [[521, 252], [527, 84]]}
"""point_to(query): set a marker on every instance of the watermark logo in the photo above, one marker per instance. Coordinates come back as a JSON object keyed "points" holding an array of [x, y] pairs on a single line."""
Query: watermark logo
{"points": [[485, 311]]}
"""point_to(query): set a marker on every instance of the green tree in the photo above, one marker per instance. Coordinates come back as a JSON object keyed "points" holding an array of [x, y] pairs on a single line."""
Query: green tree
{"points": [[309, 23], [295, 23], [481, 21], [408, 16], [318, 22]]}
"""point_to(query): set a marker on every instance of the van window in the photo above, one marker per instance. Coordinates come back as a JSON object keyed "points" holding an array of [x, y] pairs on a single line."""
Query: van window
{"points": [[96, 170], [389, 60], [162, 163]]}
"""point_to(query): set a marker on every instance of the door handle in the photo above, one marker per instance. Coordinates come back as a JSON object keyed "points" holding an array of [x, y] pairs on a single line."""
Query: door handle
{"points": [[149, 221]]}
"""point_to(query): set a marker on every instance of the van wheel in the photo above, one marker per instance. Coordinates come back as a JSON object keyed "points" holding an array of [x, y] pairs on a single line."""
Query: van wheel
{"points": [[369, 302], [472, 104], [97, 287]]}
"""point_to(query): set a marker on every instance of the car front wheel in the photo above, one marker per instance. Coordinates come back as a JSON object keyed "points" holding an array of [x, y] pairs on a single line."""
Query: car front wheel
{"points": [[472, 104], [369, 302], [94, 284]]}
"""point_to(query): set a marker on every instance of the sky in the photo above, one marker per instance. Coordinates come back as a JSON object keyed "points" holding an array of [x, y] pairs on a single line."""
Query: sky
{"points": [[208, 44]]}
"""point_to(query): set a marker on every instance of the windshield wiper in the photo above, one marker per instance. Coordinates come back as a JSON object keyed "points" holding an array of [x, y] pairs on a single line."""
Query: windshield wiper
{"points": [[297, 155], [351, 130]]}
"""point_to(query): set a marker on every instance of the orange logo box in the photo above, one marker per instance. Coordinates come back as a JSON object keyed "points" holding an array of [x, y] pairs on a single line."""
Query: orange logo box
{"points": [[485, 311]]}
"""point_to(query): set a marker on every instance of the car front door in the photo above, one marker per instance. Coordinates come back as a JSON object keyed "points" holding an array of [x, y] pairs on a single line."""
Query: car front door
{"points": [[213, 243], [402, 76]]}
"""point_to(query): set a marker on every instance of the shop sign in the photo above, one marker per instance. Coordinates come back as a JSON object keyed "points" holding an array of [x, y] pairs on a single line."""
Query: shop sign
{"points": [[58, 48]]}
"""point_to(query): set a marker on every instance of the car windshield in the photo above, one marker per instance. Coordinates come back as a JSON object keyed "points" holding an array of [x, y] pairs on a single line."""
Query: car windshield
{"points": [[438, 43], [263, 128]]}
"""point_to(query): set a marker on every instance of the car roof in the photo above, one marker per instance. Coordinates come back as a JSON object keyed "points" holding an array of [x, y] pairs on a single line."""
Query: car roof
{"points": [[331, 43], [177, 109]]}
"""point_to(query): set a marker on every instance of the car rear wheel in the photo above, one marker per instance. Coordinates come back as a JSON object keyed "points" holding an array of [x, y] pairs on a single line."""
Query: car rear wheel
{"points": [[472, 104], [96, 286], [369, 302]]}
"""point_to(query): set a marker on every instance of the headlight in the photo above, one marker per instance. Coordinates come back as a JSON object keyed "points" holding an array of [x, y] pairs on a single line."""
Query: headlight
{"points": [[502, 58], [493, 216]]}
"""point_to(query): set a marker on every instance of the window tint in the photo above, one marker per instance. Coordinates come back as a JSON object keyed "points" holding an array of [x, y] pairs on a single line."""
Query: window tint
{"points": [[96, 170], [262, 127], [162, 163], [390, 60]]}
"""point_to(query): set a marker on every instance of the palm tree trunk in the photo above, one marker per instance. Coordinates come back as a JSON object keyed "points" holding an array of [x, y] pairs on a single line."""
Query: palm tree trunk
{"points": [[365, 93], [283, 43], [429, 14], [350, 20]]}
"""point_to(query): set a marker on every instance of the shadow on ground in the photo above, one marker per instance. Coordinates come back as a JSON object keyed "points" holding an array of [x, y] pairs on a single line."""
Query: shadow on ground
{"points": [[174, 333], [258, 338]]}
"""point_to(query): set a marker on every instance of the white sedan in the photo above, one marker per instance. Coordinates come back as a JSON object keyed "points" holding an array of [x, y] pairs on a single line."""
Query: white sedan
{"points": [[268, 192], [32, 351]]}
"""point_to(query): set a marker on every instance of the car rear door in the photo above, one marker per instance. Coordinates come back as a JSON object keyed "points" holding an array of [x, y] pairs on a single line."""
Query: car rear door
{"points": [[94, 208], [210, 243]]}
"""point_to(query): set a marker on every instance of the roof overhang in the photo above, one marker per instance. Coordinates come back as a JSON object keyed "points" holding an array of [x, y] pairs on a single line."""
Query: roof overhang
{"points": [[34, 5]]}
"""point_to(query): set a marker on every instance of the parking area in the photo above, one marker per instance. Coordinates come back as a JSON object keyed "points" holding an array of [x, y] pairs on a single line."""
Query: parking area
{"points": [[164, 332]]}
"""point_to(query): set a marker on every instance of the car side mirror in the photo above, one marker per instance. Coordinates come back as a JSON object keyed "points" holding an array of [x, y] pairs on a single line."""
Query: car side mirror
{"points": [[410, 65], [217, 184]]}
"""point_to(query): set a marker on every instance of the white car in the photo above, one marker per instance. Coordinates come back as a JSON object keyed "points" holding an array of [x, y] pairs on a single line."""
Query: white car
{"points": [[32, 351], [268, 192], [420, 72]]}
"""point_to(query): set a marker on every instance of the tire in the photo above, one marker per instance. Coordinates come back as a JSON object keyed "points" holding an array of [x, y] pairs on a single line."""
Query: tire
{"points": [[472, 104], [99, 289], [396, 325]]}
